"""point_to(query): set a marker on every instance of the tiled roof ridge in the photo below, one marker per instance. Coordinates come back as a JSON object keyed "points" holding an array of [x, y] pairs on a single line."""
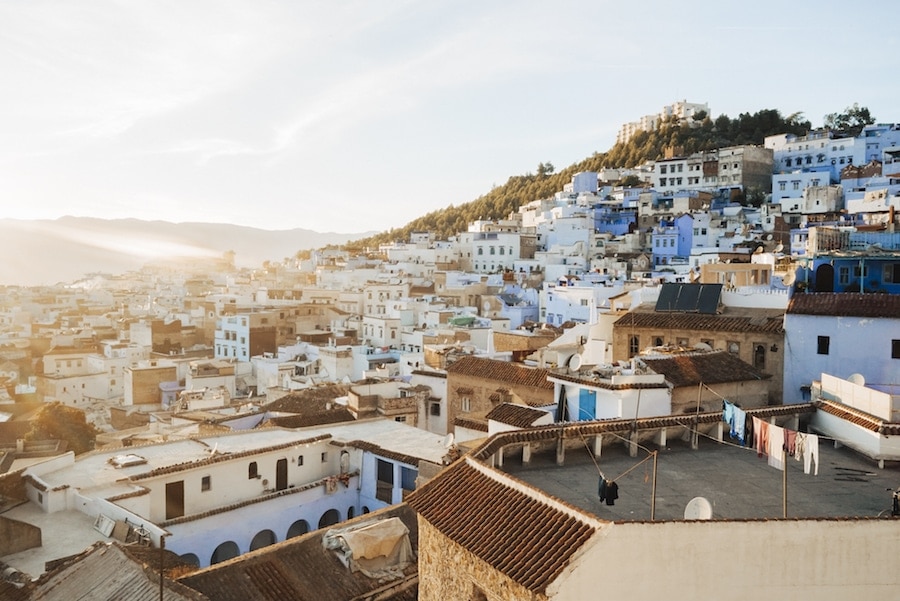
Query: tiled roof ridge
{"points": [[386, 453], [575, 379], [870, 422], [593, 428]]}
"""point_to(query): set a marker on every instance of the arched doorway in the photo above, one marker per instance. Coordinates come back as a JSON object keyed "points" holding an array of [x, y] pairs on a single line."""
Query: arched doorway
{"points": [[264, 538], [825, 278], [297, 528], [329, 518], [226, 550]]}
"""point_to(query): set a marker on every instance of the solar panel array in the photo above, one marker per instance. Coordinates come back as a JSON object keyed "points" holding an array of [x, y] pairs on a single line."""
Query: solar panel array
{"points": [[689, 298]]}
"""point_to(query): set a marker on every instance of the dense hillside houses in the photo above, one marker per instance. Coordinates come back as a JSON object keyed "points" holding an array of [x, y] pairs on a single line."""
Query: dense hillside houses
{"points": [[449, 408]]}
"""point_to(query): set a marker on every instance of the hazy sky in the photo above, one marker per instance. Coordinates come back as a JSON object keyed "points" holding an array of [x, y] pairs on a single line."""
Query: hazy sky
{"points": [[353, 116]]}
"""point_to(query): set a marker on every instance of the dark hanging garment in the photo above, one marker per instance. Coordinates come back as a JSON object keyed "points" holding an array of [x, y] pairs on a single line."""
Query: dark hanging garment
{"points": [[612, 493], [601, 490]]}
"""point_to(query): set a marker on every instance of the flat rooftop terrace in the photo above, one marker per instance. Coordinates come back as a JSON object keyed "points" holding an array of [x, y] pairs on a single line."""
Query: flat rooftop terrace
{"points": [[737, 483]]}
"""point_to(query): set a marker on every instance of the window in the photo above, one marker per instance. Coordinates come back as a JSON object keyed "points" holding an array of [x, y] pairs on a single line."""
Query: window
{"points": [[299, 460], [658, 341], [466, 404], [844, 275], [205, 484], [662, 181], [824, 343], [324, 456], [759, 356], [895, 349], [252, 470], [400, 418], [502, 250], [662, 169], [634, 345], [891, 273], [493, 250], [435, 409], [384, 481]]}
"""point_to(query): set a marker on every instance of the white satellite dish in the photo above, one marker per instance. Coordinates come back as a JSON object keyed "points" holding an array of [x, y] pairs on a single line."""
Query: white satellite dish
{"points": [[448, 441], [857, 379], [698, 508], [789, 278], [779, 247], [575, 362]]}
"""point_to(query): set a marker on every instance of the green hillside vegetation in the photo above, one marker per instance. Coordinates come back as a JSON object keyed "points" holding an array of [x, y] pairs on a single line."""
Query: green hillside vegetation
{"points": [[702, 134]]}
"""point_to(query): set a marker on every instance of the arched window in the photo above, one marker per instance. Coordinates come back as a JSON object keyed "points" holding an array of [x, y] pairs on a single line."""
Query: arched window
{"points": [[252, 470]]}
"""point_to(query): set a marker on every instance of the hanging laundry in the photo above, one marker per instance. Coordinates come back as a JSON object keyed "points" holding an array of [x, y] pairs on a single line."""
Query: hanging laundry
{"points": [[761, 434], [728, 414], [790, 442], [612, 493], [811, 453], [776, 447], [740, 424], [799, 446]]}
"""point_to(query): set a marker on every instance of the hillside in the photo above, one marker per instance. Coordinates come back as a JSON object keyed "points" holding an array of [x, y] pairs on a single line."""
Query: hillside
{"points": [[704, 134], [65, 249]]}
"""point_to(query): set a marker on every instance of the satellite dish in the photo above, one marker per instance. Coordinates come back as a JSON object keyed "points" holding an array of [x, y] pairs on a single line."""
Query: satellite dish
{"points": [[448, 441], [789, 278], [702, 346], [779, 247], [758, 250], [857, 379], [698, 508], [575, 362]]}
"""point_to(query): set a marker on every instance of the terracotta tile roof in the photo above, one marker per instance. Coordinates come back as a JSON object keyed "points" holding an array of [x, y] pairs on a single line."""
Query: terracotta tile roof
{"points": [[845, 304], [512, 414], [857, 417], [107, 571], [687, 369], [692, 321], [516, 529], [501, 371], [471, 423], [302, 569]]}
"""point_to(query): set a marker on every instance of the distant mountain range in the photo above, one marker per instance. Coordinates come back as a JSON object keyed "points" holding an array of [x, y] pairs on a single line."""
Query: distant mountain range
{"points": [[36, 252]]}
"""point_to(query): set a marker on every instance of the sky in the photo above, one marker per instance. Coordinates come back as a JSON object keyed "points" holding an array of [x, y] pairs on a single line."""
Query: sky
{"points": [[354, 116]]}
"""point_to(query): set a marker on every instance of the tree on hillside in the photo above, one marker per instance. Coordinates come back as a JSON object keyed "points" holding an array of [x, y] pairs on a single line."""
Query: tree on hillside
{"points": [[56, 421], [851, 122], [544, 169]]}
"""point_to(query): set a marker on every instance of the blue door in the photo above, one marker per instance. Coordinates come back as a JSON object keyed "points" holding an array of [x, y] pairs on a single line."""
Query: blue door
{"points": [[587, 404]]}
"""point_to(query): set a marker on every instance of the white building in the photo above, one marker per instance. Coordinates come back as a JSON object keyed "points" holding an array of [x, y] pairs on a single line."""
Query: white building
{"points": [[823, 333], [217, 497]]}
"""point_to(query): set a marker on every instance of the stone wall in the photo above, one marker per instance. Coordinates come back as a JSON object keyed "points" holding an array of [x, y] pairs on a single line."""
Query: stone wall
{"points": [[447, 572]]}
